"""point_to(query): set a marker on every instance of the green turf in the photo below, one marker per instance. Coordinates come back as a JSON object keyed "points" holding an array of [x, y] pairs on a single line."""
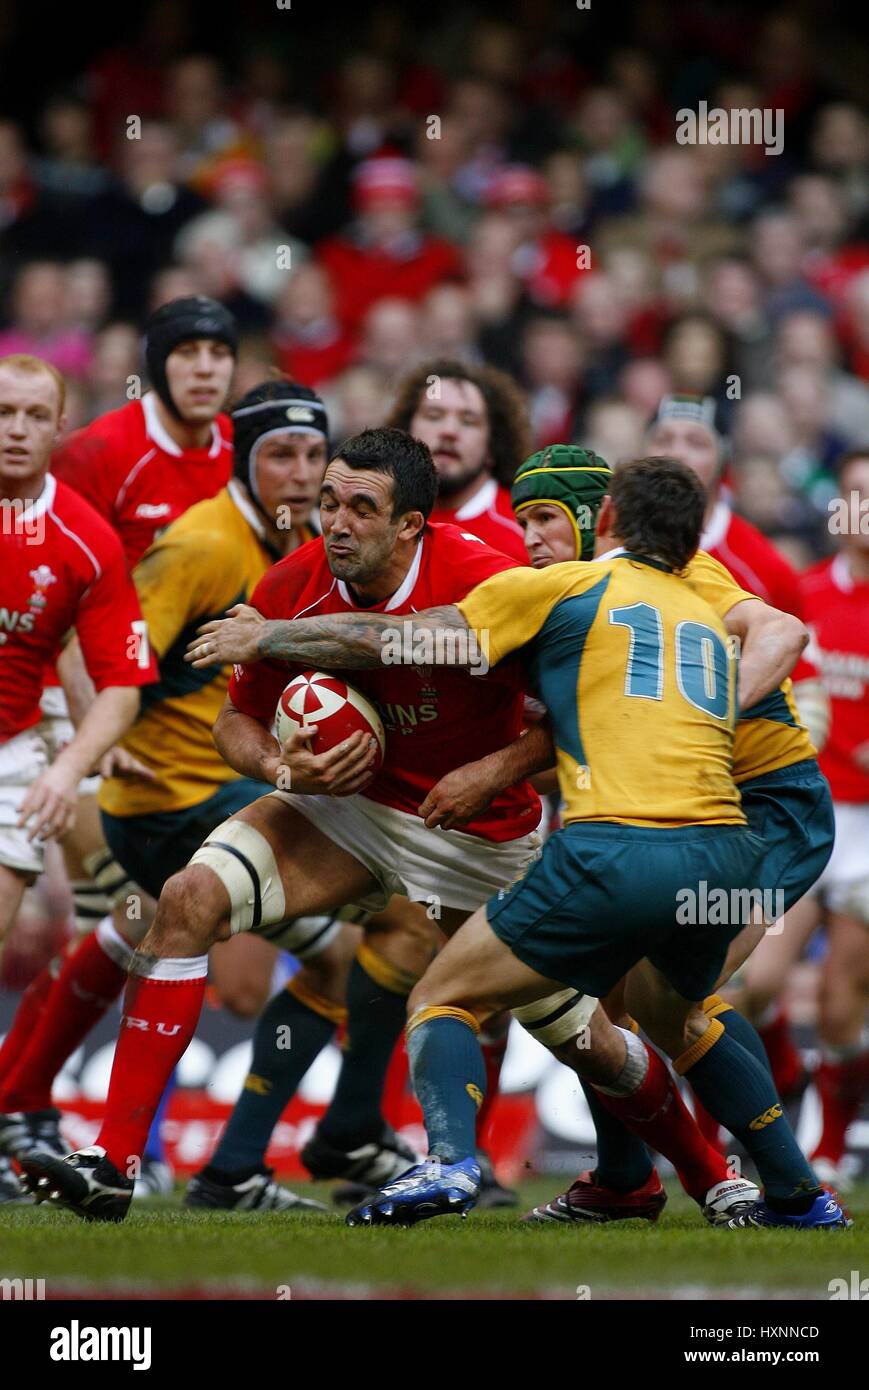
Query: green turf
{"points": [[167, 1246]]}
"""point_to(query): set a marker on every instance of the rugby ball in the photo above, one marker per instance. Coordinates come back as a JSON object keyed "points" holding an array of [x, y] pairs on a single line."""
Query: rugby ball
{"points": [[335, 707]]}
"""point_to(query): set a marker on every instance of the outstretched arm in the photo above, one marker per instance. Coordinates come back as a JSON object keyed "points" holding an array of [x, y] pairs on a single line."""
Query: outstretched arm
{"points": [[435, 637]]}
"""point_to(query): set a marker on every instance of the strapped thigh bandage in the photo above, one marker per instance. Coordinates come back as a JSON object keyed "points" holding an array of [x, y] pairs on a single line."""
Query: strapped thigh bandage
{"points": [[243, 860], [558, 1017]]}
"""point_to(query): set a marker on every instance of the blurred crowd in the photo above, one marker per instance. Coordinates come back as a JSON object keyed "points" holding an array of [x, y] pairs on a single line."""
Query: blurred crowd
{"points": [[491, 196]]}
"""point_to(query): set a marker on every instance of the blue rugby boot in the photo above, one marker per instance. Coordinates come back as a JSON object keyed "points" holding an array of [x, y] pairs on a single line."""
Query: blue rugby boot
{"points": [[431, 1188], [824, 1214]]}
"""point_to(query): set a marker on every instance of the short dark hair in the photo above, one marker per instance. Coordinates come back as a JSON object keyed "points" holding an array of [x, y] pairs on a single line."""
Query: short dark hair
{"points": [[407, 461], [509, 433], [659, 505]]}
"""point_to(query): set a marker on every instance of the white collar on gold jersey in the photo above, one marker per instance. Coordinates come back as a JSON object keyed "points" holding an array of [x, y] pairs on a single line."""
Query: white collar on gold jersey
{"points": [[611, 554], [255, 522], [484, 498], [156, 431], [401, 594]]}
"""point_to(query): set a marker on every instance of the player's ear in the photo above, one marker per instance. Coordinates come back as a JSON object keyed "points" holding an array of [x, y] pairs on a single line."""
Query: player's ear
{"points": [[605, 517], [411, 525]]}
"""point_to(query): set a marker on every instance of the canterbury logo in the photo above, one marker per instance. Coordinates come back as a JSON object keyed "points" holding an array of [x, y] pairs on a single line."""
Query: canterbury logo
{"points": [[258, 1084], [773, 1113], [475, 1093]]}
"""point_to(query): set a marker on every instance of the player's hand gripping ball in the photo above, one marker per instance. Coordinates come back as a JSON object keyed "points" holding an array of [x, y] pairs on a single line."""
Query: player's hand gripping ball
{"points": [[335, 707]]}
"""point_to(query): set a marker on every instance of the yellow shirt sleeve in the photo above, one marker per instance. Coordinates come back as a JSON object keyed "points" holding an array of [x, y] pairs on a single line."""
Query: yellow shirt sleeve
{"points": [[509, 609], [182, 578], [716, 584]]}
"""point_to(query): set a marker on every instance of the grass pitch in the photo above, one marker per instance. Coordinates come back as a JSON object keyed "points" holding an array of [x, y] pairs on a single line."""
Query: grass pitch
{"points": [[164, 1250]]}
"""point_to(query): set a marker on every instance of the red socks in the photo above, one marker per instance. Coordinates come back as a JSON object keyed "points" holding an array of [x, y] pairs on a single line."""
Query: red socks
{"points": [[841, 1087], [657, 1114], [159, 1019], [89, 981], [27, 1015], [493, 1050], [785, 1062]]}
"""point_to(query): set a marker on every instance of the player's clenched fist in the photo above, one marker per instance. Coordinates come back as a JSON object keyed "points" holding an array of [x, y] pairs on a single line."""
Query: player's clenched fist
{"points": [[225, 640], [343, 770]]}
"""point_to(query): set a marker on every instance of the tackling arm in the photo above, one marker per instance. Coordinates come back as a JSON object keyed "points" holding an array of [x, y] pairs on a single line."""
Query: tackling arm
{"points": [[771, 644], [344, 641]]}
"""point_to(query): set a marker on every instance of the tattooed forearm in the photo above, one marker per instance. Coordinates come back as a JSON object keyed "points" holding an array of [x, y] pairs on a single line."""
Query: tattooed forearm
{"points": [[359, 640]]}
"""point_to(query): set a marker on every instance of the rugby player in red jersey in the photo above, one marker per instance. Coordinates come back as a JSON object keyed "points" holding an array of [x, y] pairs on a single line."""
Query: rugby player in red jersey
{"points": [[339, 834], [473, 420], [836, 598], [140, 467], [63, 568], [686, 428]]}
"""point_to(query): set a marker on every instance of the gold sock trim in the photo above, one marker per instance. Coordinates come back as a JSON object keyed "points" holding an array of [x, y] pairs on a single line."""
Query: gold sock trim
{"points": [[714, 1005], [631, 1024], [335, 1013], [686, 1060], [423, 1016], [383, 972]]}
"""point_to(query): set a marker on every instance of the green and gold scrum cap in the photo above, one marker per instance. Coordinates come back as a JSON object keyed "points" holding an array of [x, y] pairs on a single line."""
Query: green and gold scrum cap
{"points": [[566, 476]]}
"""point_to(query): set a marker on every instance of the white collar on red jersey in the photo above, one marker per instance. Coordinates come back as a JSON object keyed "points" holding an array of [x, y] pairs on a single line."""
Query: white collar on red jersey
{"points": [[41, 504], [402, 593], [482, 501], [841, 574], [716, 527], [156, 431]]}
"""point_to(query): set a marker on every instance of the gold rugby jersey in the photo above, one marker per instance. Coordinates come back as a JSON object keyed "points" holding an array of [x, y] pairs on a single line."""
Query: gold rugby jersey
{"points": [[638, 679], [209, 559], [769, 736]]}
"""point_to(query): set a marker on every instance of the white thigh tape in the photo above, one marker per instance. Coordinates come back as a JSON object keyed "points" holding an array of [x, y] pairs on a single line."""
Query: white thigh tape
{"points": [[243, 860], [557, 1018], [113, 944]]}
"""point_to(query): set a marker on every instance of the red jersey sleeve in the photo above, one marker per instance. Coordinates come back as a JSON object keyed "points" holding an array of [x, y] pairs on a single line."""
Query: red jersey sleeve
{"points": [[110, 627], [466, 562], [84, 462], [255, 688]]}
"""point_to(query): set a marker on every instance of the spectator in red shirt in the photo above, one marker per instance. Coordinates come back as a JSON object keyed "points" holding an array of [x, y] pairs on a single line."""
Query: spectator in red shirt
{"points": [[309, 341], [544, 260], [385, 252]]}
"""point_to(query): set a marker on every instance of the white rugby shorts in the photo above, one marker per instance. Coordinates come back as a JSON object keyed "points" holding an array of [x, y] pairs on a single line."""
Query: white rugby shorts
{"points": [[22, 759], [442, 868], [845, 881]]}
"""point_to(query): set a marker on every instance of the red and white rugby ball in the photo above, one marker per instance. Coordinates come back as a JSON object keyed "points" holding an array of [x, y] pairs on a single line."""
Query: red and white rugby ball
{"points": [[335, 707]]}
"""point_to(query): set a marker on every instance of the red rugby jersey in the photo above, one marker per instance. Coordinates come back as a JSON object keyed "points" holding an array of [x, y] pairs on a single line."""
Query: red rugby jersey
{"points": [[489, 517], [837, 611], [757, 566], [436, 718], [63, 567], [134, 474]]}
